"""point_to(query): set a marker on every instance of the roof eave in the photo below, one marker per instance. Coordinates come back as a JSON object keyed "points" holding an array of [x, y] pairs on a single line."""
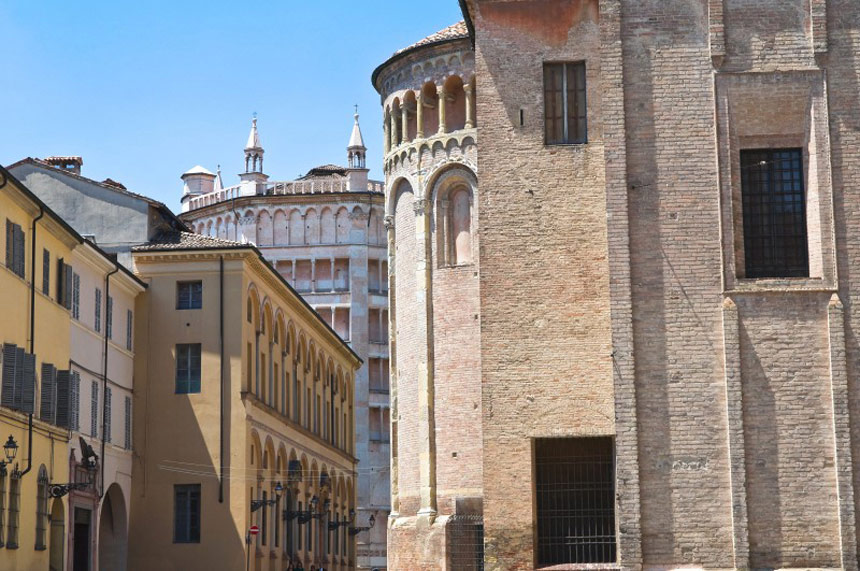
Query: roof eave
{"points": [[400, 55], [467, 15]]}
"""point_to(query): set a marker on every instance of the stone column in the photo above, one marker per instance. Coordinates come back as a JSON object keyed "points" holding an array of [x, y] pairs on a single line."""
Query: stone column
{"points": [[386, 136], [392, 130], [419, 115], [469, 90], [332, 273], [426, 389], [257, 361], [441, 102], [404, 124]]}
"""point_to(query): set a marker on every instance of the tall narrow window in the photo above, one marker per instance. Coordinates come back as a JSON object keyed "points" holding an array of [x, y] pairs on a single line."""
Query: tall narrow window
{"points": [[14, 508], [127, 439], [97, 318], [76, 296], [575, 485], [75, 404], [129, 328], [264, 529], [46, 272], [774, 213], [461, 227], [564, 103], [3, 478], [94, 410], [108, 414], [109, 317], [15, 248], [186, 513], [188, 368], [189, 295], [41, 508]]}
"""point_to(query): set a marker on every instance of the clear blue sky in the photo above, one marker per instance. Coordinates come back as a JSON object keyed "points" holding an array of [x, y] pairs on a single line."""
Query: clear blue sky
{"points": [[144, 91]]}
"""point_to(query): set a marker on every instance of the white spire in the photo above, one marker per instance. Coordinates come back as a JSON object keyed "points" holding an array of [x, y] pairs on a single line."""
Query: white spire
{"points": [[219, 184], [356, 141], [253, 137]]}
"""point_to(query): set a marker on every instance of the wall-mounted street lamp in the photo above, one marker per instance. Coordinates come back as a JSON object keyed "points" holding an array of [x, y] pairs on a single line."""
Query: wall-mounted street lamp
{"points": [[355, 530], [304, 516], [257, 504], [89, 461], [10, 450]]}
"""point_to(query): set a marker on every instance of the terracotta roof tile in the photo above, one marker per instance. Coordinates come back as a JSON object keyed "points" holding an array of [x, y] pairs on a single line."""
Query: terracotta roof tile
{"points": [[454, 32], [186, 241]]}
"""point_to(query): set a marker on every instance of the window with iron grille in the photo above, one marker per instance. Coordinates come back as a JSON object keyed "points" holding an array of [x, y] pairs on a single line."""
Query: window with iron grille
{"points": [[14, 509], [774, 213], [189, 295], [97, 320], [46, 272], [575, 484], [564, 103], [186, 513], [41, 508], [15, 248], [188, 368]]}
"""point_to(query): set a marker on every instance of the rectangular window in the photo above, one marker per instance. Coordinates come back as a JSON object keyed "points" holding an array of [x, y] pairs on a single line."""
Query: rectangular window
{"points": [[564, 103], [97, 319], [14, 509], [186, 513], [189, 295], [15, 248], [48, 403], [264, 531], [63, 413], [129, 323], [3, 479], [128, 423], [575, 485], [188, 368], [107, 416], [109, 318], [46, 272], [774, 213], [64, 284], [75, 404], [18, 383], [76, 296], [94, 410]]}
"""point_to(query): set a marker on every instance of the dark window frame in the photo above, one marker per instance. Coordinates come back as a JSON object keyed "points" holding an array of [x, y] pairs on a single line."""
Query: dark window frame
{"points": [[187, 511], [773, 198], [190, 298], [188, 368], [565, 102]]}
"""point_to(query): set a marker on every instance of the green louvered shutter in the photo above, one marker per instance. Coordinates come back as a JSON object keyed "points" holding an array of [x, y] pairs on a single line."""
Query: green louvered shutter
{"points": [[10, 244], [65, 399], [28, 387], [19, 251], [7, 385]]}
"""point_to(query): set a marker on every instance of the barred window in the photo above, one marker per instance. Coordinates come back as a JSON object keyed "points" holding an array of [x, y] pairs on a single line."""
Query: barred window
{"points": [[564, 103], [774, 213], [14, 508], [41, 508], [575, 484], [189, 295], [186, 513], [188, 368]]}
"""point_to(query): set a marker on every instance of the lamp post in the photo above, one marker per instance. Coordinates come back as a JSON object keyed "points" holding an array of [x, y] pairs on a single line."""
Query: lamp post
{"points": [[257, 504], [89, 461], [355, 530]]}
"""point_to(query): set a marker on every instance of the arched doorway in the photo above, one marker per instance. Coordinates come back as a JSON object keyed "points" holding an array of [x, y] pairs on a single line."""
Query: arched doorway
{"points": [[58, 534], [113, 530]]}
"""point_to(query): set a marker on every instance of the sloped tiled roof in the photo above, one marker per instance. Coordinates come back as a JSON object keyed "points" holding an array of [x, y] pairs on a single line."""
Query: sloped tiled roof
{"points": [[186, 241], [324, 171], [453, 32]]}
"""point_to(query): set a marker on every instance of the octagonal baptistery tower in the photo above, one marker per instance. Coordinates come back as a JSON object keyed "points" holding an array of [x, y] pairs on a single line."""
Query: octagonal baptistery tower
{"points": [[427, 93], [324, 234]]}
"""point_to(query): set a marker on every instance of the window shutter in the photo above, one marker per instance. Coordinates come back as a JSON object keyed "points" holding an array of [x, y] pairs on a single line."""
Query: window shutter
{"points": [[17, 389], [46, 272], [107, 426], [19, 250], [67, 284], [129, 322], [109, 318], [63, 408], [47, 406], [94, 411], [128, 423], [75, 404], [7, 387], [10, 245], [98, 310], [28, 388], [76, 296]]}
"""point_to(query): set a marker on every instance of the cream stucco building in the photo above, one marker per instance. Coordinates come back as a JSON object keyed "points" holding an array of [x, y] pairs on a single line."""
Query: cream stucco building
{"points": [[324, 234], [244, 414]]}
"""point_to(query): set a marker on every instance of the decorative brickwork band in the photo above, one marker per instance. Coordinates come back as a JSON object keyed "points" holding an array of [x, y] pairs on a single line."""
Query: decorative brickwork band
{"points": [[819, 25], [717, 30], [735, 426], [842, 432]]}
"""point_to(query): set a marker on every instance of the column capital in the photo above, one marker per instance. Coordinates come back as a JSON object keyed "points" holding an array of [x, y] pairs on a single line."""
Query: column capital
{"points": [[420, 207], [389, 222]]}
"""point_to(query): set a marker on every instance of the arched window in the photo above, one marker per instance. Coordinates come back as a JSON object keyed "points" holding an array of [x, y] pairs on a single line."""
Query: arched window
{"points": [[42, 508], [250, 311], [461, 227]]}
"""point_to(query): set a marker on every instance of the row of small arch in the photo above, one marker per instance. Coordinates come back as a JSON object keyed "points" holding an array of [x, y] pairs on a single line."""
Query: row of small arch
{"points": [[428, 66], [299, 226], [452, 148]]}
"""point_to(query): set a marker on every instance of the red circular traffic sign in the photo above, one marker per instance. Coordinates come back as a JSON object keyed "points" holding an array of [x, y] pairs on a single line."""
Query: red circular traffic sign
{"points": [[254, 530]]}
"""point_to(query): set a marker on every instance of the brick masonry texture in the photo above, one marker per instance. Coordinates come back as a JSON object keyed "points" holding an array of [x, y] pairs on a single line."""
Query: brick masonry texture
{"points": [[612, 290]]}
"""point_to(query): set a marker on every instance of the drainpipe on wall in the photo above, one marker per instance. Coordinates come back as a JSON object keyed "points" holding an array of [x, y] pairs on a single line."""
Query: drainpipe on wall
{"points": [[105, 378], [33, 282], [223, 376]]}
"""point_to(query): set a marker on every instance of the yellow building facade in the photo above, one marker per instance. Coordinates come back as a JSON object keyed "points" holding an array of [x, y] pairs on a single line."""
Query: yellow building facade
{"points": [[243, 414]]}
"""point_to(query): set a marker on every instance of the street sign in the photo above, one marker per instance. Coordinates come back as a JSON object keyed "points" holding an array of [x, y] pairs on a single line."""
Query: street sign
{"points": [[254, 530]]}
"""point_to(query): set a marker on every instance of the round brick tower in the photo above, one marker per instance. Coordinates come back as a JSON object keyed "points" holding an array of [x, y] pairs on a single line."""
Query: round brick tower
{"points": [[427, 93]]}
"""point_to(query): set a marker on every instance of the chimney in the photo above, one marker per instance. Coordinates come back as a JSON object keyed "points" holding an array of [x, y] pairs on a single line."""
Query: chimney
{"points": [[71, 164]]}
